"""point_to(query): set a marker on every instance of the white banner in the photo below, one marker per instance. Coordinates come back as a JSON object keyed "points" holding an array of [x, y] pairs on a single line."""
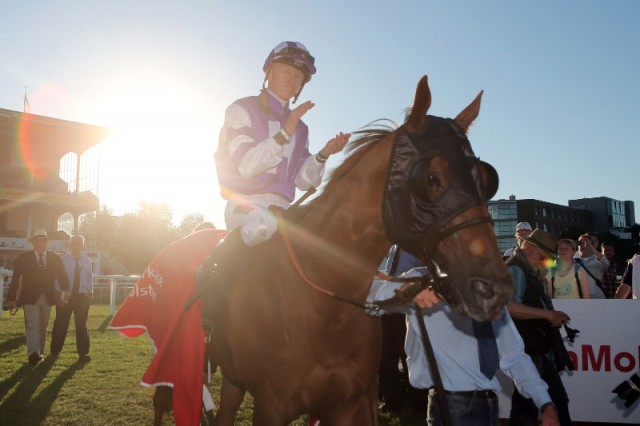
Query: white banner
{"points": [[605, 353]]}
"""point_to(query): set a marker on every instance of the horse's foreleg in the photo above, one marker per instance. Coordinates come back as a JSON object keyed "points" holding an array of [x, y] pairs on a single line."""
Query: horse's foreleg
{"points": [[231, 397], [162, 400]]}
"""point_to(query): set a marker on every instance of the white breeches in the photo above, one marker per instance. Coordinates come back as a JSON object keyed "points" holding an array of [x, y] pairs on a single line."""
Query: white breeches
{"points": [[252, 214]]}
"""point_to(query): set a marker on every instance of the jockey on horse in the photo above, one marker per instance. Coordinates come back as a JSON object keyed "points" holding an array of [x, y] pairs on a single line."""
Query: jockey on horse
{"points": [[263, 155]]}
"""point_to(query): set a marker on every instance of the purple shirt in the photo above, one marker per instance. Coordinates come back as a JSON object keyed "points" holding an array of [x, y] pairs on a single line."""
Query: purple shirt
{"points": [[261, 118]]}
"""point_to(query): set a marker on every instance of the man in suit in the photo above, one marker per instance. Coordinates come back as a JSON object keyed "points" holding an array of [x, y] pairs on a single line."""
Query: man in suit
{"points": [[79, 271], [32, 287]]}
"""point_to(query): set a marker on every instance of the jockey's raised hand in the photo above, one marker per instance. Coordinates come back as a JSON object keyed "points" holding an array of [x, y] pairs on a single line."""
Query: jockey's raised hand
{"points": [[295, 116], [336, 144]]}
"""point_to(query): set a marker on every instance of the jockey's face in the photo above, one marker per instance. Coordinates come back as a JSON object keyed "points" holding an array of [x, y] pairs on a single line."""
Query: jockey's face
{"points": [[284, 80]]}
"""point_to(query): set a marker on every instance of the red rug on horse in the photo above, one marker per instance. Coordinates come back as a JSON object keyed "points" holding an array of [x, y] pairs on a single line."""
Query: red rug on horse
{"points": [[156, 305]]}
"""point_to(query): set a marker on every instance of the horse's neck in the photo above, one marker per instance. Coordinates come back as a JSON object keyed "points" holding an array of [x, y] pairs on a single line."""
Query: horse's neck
{"points": [[347, 220]]}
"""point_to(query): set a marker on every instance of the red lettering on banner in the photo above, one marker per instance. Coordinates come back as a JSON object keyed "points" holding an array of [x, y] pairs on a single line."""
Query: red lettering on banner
{"points": [[601, 360], [574, 358], [588, 357], [631, 363]]}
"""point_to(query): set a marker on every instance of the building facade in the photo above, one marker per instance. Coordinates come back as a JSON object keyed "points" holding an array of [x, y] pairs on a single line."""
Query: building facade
{"points": [[48, 178], [553, 218], [609, 215]]}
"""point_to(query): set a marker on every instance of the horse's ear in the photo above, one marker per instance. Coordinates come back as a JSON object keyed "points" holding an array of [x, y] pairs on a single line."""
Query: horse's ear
{"points": [[421, 104], [470, 113]]}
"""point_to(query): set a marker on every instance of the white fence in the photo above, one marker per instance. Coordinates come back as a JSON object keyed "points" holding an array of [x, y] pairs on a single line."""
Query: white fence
{"points": [[113, 284]]}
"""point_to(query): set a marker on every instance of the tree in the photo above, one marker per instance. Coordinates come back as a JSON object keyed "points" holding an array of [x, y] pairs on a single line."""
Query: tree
{"points": [[135, 238], [188, 224], [98, 228], [142, 234]]}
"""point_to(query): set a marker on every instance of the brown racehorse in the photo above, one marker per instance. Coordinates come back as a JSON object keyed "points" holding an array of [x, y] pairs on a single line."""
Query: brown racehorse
{"points": [[297, 349]]}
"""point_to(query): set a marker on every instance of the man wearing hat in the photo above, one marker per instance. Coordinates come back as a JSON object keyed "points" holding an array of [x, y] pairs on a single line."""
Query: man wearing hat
{"points": [[523, 229], [534, 316], [32, 287]]}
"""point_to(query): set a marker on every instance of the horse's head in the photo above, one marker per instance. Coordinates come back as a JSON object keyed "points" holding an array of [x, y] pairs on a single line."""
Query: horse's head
{"points": [[435, 207]]}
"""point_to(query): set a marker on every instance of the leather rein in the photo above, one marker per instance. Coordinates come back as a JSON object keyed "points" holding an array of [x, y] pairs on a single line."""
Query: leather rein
{"points": [[435, 277]]}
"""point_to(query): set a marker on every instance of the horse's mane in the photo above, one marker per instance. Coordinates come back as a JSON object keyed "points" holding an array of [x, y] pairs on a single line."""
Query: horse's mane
{"points": [[358, 147], [365, 139]]}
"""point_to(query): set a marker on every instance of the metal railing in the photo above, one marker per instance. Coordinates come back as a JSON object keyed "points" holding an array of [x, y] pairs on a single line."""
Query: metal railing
{"points": [[112, 282]]}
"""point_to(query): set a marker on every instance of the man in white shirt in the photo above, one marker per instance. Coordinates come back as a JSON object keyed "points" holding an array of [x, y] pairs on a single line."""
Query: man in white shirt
{"points": [[78, 268]]}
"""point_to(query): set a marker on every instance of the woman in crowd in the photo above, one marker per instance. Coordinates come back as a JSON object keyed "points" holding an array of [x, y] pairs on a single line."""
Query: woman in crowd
{"points": [[565, 280]]}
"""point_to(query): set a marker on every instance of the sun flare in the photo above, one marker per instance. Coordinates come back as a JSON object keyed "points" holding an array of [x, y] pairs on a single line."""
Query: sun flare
{"points": [[160, 149]]}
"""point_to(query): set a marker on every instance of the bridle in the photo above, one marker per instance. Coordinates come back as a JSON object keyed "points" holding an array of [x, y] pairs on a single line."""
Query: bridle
{"points": [[439, 277], [434, 276]]}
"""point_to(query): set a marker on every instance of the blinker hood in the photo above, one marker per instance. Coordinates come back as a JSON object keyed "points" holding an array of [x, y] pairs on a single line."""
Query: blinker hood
{"points": [[411, 219]]}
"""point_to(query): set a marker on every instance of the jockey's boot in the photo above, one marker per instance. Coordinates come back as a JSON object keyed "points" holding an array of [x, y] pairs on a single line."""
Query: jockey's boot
{"points": [[215, 274]]}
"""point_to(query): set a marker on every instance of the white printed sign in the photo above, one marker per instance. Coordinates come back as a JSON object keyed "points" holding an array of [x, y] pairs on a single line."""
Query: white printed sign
{"points": [[605, 353]]}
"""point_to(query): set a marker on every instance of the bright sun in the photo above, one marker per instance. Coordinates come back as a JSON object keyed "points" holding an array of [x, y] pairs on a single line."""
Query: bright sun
{"points": [[160, 149]]}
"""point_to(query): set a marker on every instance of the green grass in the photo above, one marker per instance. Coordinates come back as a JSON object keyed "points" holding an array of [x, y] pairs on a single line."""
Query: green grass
{"points": [[105, 391]]}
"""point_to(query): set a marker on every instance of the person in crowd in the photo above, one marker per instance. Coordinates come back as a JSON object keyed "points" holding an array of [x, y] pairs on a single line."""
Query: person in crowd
{"points": [[565, 279], [32, 287], [610, 276], [630, 280], [393, 383], [523, 229], [469, 381], [79, 272], [593, 261], [534, 317]]}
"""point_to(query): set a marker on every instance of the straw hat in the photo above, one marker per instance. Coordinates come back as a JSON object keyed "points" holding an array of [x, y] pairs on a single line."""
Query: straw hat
{"points": [[39, 234], [543, 240]]}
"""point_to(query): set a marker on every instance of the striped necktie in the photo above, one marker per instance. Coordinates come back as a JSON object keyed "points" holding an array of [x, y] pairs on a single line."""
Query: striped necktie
{"points": [[487, 348]]}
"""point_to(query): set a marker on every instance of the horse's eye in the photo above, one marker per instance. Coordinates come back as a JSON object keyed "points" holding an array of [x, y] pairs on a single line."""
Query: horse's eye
{"points": [[426, 180], [432, 180]]}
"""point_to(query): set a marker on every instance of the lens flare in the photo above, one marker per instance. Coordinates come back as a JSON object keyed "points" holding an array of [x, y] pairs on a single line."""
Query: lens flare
{"points": [[24, 132], [476, 247], [549, 263]]}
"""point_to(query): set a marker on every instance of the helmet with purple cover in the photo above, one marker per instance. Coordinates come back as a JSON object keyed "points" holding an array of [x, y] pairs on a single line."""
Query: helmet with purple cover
{"points": [[292, 53]]}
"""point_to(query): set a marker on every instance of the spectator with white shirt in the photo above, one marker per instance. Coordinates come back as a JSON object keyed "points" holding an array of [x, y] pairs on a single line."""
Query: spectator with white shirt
{"points": [[593, 261], [79, 271], [470, 385], [523, 229]]}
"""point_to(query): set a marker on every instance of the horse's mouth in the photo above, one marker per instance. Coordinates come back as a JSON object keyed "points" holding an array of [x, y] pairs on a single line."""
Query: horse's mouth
{"points": [[483, 288], [484, 301]]}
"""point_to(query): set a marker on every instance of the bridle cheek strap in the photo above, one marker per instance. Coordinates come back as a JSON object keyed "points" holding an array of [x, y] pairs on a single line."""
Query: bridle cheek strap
{"points": [[436, 239]]}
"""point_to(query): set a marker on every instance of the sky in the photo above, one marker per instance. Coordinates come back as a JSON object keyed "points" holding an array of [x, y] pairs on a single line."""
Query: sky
{"points": [[560, 79]]}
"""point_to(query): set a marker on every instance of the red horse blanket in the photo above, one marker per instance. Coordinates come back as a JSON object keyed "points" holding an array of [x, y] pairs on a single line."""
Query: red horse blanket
{"points": [[156, 305]]}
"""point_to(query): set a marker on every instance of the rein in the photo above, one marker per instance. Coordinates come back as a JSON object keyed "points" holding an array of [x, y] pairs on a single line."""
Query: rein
{"points": [[434, 277], [307, 280]]}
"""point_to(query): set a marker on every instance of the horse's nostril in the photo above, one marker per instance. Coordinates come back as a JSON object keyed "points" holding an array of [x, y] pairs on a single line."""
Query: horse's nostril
{"points": [[482, 288]]}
